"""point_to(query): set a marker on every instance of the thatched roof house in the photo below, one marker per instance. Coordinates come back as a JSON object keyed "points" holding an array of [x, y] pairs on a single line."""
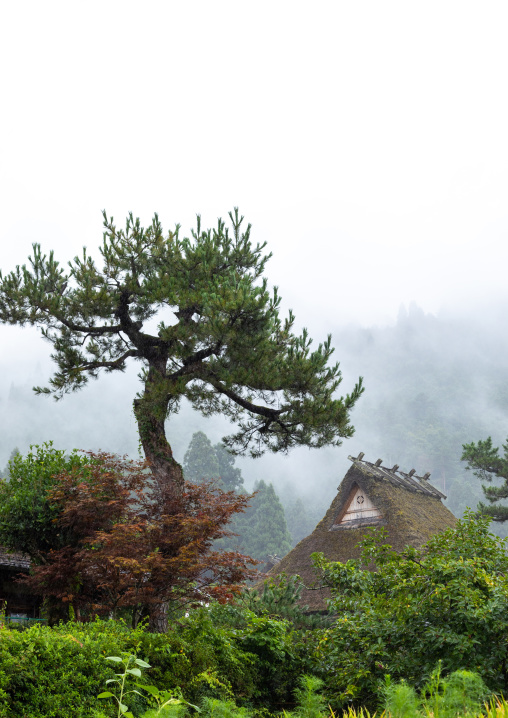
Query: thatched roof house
{"points": [[370, 495]]}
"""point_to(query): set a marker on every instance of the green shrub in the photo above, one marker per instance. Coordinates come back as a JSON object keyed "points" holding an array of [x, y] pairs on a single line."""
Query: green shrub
{"points": [[447, 600], [259, 657], [310, 704], [219, 652], [461, 694], [214, 708], [400, 699]]}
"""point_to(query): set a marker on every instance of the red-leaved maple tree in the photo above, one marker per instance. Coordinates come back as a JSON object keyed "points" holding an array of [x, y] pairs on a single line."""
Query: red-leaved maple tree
{"points": [[131, 547]]}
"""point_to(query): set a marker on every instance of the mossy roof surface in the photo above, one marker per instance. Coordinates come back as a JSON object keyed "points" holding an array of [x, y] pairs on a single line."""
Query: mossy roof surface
{"points": [[409, 515], [14, 560]]}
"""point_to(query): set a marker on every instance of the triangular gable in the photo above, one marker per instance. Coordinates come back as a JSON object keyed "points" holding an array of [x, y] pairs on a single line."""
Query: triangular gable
{"points": [[358, 510]]}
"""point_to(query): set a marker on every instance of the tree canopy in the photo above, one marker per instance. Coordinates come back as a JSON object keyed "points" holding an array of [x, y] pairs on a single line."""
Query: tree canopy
{"points": [[99, 540], [219, 341], [200, 460], [487, 464], [28, 520]]}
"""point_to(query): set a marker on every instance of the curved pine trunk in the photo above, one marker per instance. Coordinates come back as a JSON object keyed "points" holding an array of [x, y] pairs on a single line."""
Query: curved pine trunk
{"points": [[150, 411]]}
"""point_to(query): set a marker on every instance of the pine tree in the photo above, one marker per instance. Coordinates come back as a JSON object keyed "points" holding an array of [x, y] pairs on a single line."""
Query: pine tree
{"points": [[487, 464], [200, 460], [228, 352]]}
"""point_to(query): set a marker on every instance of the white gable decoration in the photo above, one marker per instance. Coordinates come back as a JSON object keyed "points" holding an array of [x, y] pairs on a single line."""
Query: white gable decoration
{"points": [[358, 507]]}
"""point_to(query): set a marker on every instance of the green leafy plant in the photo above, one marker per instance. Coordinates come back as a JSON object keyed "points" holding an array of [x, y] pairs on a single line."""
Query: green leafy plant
{"points": [[164, 699], [310, 704], [400, 699], [121, 680], [462, 693], [215, 708]]}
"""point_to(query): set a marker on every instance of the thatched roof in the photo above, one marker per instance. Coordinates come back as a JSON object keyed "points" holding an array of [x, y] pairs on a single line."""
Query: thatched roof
{"points": [[13, 560], [370, 495]]}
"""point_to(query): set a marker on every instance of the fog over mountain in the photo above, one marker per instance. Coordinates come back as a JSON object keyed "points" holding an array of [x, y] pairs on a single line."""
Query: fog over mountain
{"points": [[365, 142], [432, 384]]}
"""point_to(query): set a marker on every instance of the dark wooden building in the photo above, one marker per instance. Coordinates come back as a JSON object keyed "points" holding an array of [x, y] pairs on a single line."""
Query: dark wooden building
{"points": [[18, 602]]}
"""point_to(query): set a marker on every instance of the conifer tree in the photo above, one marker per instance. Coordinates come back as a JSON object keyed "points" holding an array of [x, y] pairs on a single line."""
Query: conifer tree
{"points": [[200, 460], [299, 522], [228, 352], [487, 464], [231, 475], [263, 531]]}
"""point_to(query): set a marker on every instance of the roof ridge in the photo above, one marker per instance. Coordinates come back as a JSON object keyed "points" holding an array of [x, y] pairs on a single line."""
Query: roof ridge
{"points": [[410, 480]]}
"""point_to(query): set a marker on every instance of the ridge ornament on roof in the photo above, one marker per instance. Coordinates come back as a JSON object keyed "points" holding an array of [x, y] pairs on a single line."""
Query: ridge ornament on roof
{"points": [[409, 481]]}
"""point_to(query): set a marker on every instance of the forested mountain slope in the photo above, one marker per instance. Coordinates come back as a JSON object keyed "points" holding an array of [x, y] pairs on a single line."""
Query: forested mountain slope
{"points": [[432, 383]]}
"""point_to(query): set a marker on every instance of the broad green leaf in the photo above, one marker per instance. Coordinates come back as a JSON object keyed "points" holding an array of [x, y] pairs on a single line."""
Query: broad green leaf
{"points": [[114, 658], [141, 663], [149, 689], [134, 671], [106, 694]]}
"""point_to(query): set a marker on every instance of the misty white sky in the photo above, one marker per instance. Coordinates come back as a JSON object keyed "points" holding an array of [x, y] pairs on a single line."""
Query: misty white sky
{"points": [[367, 142]]}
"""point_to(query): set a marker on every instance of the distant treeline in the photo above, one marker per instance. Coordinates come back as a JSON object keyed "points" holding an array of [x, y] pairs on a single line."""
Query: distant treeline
{"points": [[432, 384]]}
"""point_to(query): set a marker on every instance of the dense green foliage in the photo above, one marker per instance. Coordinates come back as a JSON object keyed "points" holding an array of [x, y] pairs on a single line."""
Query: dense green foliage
{"points": [[462, 693], [433, 621], [200, 461], [447, 601], [484, 460], [261, 529], [27, 518], [227, 660], [221, 652]]}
